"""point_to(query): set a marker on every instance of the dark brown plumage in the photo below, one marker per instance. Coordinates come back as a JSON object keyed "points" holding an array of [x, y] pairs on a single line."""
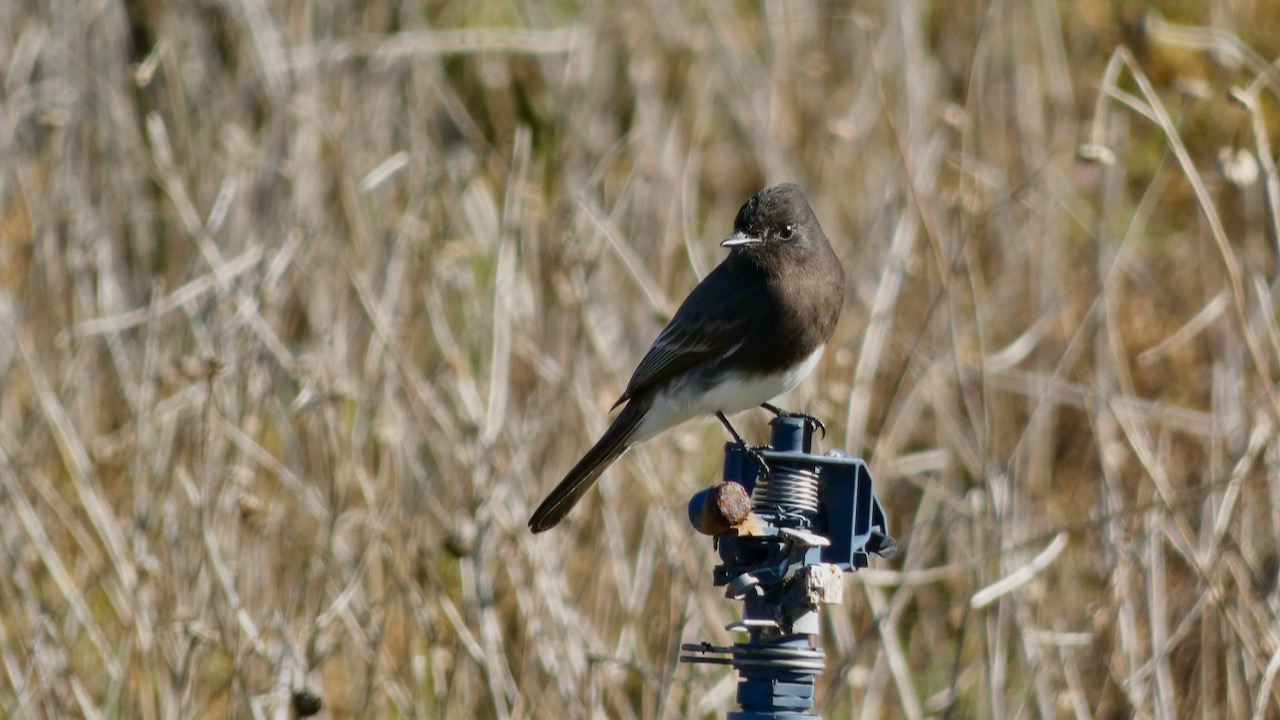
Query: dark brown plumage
{"points": [[751, 330]]}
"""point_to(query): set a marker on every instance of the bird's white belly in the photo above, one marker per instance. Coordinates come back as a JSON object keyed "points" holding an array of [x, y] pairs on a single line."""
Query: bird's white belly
{"points": [[737, 392]]}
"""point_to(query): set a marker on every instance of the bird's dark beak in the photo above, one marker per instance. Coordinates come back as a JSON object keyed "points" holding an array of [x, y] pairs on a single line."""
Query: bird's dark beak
{"points": [[738, 239]]}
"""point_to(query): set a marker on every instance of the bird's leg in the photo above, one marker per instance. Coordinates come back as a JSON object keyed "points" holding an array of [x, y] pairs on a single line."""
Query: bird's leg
{"points": [[751, 452], [813, 422]]}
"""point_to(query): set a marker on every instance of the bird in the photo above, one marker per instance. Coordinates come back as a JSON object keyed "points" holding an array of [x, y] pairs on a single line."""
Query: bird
{"points": [[751, 330]]}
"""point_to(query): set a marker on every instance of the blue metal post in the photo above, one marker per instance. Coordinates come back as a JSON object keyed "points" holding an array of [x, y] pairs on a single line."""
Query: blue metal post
{"points": [[813, 517]]}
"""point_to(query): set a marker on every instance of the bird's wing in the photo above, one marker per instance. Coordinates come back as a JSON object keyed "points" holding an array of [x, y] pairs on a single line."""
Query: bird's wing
{"points": [[711, 323]]}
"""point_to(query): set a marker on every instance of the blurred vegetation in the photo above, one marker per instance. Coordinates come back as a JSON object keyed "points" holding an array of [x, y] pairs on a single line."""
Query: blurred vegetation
{"points": [[303, 307]]}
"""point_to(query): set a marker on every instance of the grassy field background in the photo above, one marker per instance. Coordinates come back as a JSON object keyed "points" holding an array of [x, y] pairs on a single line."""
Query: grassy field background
{"points": [[305, 305]]}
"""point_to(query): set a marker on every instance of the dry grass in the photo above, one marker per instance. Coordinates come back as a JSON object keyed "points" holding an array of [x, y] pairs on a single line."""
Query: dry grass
{"points": [[303, 307]]}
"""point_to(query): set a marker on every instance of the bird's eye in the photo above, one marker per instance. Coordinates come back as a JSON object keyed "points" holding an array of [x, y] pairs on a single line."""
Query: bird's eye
{"points": [[786, 232]]}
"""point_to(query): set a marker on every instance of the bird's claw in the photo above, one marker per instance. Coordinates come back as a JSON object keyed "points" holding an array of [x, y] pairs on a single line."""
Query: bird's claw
{"points": [[810, 421], [814, 423], [755, 455]]}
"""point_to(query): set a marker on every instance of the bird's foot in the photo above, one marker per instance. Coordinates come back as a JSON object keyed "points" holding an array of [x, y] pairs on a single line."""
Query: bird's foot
{"points": [[813, 422], [751, 451], [757, 457]]}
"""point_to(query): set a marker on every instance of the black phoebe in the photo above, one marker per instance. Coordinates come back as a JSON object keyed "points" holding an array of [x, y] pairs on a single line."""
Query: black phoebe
{"points": [[751, 330]]}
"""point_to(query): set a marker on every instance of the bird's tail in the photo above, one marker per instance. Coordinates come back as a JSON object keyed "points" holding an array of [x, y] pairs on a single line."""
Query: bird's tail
{"points": [[613, 443]]}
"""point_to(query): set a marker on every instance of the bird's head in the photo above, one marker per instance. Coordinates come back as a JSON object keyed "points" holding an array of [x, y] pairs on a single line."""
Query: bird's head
{"points": [[774, 218]]}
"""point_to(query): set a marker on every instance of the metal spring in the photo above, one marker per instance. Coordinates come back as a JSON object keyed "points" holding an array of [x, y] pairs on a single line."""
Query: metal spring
{"points": [[746, 655], [790, 488], [756, 655]]}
